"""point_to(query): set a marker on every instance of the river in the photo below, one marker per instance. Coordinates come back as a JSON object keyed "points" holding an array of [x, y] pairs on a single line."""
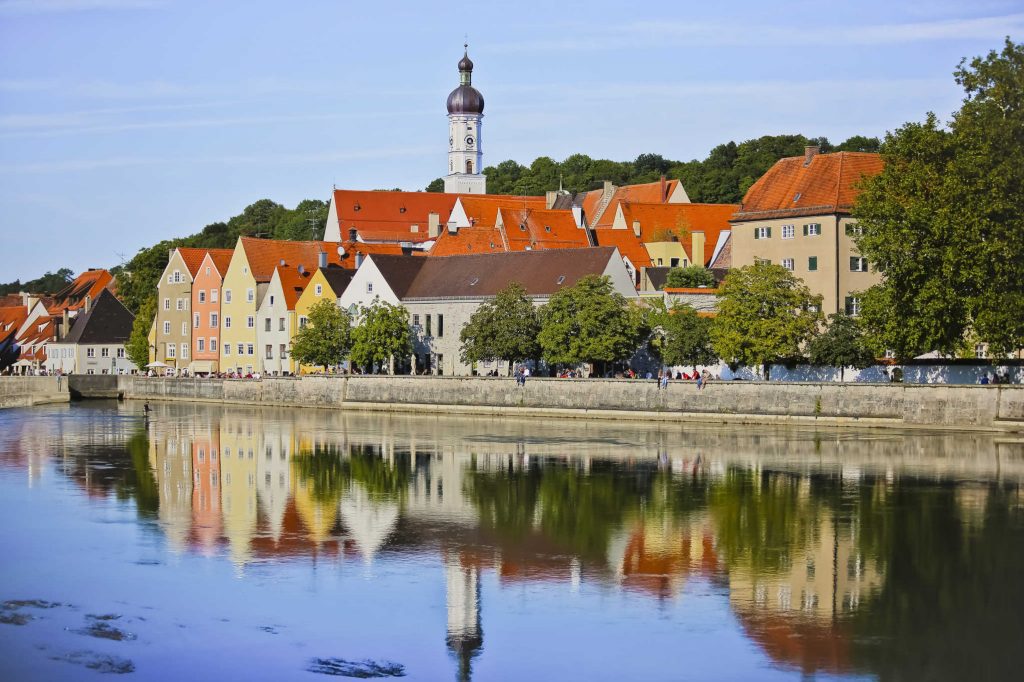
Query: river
{"points": [[234, 543]]}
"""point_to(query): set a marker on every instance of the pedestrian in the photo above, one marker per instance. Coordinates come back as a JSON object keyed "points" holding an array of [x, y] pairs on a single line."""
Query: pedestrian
{"points": [[664, 381], [699, 379], [984, 379], [526, 374]]}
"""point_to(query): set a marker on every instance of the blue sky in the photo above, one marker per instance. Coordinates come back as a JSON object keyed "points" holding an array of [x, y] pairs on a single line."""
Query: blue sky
{"points": [[123, 122]]}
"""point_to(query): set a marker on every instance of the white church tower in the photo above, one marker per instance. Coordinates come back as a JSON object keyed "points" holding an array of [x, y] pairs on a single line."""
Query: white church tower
{"points": [[465, 151]]}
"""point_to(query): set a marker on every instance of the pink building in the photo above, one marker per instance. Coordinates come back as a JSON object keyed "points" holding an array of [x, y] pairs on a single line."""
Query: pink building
{"points": [[206, 300]]}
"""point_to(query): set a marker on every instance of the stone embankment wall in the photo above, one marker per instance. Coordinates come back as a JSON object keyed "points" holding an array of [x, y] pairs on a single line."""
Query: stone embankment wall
{"points": [[889, 405], [23, 391]]}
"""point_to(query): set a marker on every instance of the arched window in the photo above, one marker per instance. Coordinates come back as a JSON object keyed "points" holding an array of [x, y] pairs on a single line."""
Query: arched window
{"points": [[469, 166]]}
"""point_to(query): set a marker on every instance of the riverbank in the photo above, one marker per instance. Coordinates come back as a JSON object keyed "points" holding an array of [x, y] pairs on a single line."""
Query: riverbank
{"points": [[989, 408], [17, 391]]}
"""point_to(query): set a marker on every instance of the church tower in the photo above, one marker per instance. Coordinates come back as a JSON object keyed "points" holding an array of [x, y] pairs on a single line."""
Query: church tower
{"points": [[465, 152]]}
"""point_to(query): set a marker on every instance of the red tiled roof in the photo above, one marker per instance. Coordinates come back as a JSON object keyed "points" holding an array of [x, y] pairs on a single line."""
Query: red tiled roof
{"points": [[194, 258], [355, 249], [482, 209], [792, 187], [646, 193], [11, 318], [293, 283], [682, 219], [265, 255], [389, 216], [468, 240], [630, 246], [524, 230], [90, 283]]}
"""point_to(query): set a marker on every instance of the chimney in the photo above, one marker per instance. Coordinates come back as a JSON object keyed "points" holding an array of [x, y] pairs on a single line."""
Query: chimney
{"points": [[359, 259], [88, 303], [65, 324], [636, 227], [433, 226], [549, 199], [321, 260], [664, 190], [697, 244], [170, 255], [608, 188], [353, 234], [810, 151], [643, 278]]}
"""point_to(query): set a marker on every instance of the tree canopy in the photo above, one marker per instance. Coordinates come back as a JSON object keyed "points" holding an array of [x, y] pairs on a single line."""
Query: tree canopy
{"points": [[690, 277], [943, 224], [137, 347], [49, 283], [722, 177], [765, 314], [327, 337], [841, 345], [680, 336], [505, 327], [589, 322], [381, 334]]}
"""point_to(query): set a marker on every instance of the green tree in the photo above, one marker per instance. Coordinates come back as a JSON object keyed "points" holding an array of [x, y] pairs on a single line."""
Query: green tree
{"points": [[681, 336], [589, 322], [690, 277], [505, 327], [437, 184], [381, 335], [137, 347], [842, 345], [326, 339], [765, 314], [942, 222], [860, 143]]}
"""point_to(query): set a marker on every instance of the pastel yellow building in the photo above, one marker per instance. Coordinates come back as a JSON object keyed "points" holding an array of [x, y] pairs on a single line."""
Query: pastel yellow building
{"points": [[326, 284]]}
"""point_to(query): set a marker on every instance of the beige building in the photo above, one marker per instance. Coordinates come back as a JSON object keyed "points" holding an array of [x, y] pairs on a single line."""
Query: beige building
{"points": [[798, 215], [173, 322]]}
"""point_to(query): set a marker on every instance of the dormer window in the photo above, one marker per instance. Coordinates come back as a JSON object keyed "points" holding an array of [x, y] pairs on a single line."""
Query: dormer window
{"points": [[473, 282], [561, 279]]}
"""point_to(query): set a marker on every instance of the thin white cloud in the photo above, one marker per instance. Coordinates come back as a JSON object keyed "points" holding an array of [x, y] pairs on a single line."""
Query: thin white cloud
{"points": [[703, 34], [56, 6]]}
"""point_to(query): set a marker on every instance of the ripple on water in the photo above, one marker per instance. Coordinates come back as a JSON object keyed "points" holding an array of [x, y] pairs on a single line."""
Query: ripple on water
{"points": [[365, 669]]}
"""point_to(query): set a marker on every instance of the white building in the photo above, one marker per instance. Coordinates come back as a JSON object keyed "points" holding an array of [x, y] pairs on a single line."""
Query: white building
{"points": [[275, 319], [96, 342], [465, 145]]}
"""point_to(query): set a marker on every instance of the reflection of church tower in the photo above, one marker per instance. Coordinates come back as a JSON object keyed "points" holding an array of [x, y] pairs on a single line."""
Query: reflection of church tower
{"points": [[465, 637], [465, 151]]}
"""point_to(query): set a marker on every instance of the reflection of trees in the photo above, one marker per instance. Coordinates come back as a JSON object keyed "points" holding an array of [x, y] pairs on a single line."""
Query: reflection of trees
{"points": [[328, 471], [950, 608], [122, 470]]}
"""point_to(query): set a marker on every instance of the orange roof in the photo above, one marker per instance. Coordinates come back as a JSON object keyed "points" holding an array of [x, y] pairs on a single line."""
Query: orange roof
{"points": [[523, 230], [194, 257], [293, 283], [390, 216], [11, 318], [89, 283], [354, 249], [793, 187], [482, 209], [468, 240], [647, 193], [683, 220], [266, 255], [630, 246]]}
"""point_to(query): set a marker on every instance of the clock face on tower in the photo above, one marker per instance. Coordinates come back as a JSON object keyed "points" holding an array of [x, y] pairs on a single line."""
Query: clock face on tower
{"points": [[469, 140]]}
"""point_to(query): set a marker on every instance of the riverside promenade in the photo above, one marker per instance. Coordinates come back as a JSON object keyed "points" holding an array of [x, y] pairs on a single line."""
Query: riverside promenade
{"points": [[962, 407]]}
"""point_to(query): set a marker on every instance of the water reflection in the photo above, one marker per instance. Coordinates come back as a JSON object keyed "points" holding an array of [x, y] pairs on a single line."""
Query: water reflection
{"points": [[887, 554]]}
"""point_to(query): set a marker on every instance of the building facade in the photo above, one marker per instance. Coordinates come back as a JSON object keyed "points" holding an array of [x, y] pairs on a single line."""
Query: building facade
{"points": [[206, 316], [465, 145], [174, 313], [96, 342]]}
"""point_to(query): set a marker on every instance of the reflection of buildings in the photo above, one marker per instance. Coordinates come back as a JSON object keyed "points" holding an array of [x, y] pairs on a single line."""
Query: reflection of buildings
{"points": [[239, 440], [206, 511], [170, 456], [462, 587]]}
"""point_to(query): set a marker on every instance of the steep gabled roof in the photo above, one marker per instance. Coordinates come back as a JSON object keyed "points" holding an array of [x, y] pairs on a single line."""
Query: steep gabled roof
{"points": [[265, 255], [483, 239], [338, 278], [682, 220], [293, 283], [646, 193], [89, 283], [107, 321], [795, 187], [482, 209], [539, 272], [389, 216], [194, 257], [629, 245], [353, 250], [540, 229]]}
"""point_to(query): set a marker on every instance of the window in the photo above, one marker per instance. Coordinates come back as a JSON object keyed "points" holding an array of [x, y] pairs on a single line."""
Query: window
{"points": [[788, 231], [303, 321], [177, 276], [319, 289], [440, 364], [812, 263], [762, 233], [271, 300], [428, 325], [788, 264], [227, 322], [980, 350], [250, 322], [812, 229], [762, 261], [213, 344], [369, 287], [241, 349], [283, 351], [120, 352], [280, 324], [673, 262], [170, 278], [170, 350], [858, 264], [90, 352], [195, 320], [104, 352], [184, 351], [184, 328], [416, 320], [440, 326], [250, 295], [266, 325], [213, 295], [200, 345], [167, 327], [854, 230], [227, 348], [250, 349], [227, 295], [852, 306], [167, 304], [270, 352], [660, 262], [202, 296], [179, 304]]}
